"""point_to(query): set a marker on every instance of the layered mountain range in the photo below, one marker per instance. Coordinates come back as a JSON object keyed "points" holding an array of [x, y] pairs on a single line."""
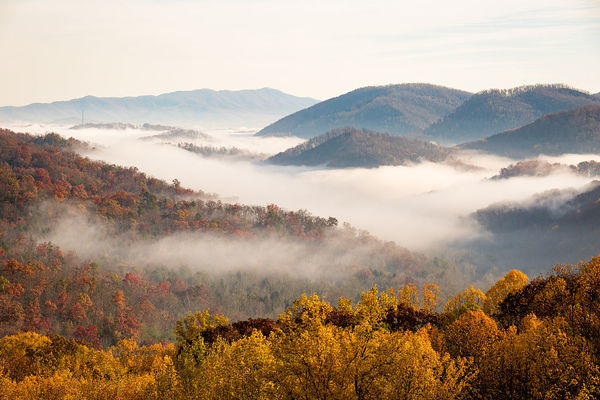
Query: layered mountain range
{"points": [[573, 131], [519, 122], [493, 111], [432, 113]]}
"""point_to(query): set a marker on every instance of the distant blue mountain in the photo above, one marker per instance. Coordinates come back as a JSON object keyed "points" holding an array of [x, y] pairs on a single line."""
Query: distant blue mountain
{"points": [[204, 107]]}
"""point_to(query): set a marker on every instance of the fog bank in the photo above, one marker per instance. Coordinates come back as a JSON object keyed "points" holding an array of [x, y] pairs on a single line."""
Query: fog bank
{"points": [[420, 207]]}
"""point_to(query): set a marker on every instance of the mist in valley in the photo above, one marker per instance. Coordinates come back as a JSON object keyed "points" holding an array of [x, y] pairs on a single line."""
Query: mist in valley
{"points": [[426, 207]]}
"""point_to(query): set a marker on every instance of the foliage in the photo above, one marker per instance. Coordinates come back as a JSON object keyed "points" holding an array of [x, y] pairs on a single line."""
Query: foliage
{"points": [[44, 290], [492, 111], [317, 351], [350, 147], [71, 328], [575, 130], [397, 109]]}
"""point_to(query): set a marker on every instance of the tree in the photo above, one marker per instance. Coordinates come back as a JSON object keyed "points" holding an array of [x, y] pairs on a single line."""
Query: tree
{"points": [[512, 282], [469, 300], [471, 335]]}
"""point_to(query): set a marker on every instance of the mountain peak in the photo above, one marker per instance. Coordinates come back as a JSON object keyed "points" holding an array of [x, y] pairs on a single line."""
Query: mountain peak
{"points": [[397, 109], [351, 147]]}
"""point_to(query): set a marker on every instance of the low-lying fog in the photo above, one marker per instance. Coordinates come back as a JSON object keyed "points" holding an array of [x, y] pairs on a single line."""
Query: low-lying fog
{"points": [[421, 207]]}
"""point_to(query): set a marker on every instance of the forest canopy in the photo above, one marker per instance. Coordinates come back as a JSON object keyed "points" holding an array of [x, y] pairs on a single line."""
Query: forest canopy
{"points": [[72, 327]]}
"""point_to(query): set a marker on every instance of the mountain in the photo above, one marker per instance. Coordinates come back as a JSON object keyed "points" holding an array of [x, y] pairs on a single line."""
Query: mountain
{"points": [[573, 131], [397, 109], [352, 147], [493, 111], [203, 107]]}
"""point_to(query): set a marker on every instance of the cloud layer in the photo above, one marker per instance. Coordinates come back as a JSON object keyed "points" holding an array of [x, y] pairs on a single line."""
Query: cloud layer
{"points": [[421, 207]]}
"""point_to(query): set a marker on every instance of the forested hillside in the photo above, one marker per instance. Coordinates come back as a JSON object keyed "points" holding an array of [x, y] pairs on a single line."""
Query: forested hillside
{"points": [[547, 213], [351, 147], [112, 296], [105, 328], [573, 131], [556, 225], [396, 109], [519, 340], [493, 111]]}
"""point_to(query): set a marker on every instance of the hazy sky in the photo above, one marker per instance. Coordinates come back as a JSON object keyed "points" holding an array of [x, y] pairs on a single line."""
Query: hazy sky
{"points": [[54, 50]]}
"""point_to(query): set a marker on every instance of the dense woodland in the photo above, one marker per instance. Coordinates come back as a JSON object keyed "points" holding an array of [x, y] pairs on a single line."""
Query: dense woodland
{"points": [[104, 299], [104, 328], [432, 113], [492, 111], [555, 230], [350, 147], [573, 131], [397, 109], [519, 340]]}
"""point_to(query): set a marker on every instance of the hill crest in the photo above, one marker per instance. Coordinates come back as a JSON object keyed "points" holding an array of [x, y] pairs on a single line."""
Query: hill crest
{"points": [[194, 107], [351, 147], [572, 131], [496, 110], [396, 108]]}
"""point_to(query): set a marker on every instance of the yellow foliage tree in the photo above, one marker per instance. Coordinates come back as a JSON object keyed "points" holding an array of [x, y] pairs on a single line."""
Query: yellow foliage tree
{"points": [[540, 362], [470, 300], [471, 335], [513, 281]]}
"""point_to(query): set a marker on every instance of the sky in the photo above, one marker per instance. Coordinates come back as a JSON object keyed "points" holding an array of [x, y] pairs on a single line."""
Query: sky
{"points": [[63, 49]]}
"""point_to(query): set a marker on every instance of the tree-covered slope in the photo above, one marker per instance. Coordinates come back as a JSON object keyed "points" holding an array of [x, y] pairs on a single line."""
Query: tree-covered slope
{"points": [[492, 111], [397, 109], [556, 226], [520, 340], [157, 250], [573, 131], [352, 147]]}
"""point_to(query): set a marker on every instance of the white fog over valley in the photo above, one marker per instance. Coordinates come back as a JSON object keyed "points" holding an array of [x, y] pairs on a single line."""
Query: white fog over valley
{"points": [[422, 207]]}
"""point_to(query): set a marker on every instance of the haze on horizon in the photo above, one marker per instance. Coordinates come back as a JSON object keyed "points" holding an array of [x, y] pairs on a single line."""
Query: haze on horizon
{"points": [[66, 49]]}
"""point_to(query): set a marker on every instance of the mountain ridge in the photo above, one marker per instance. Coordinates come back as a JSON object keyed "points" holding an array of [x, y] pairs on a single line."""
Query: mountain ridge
{"points": [[352, 147], [496, 110], [571, 131], [190, 107], [396, 109]]}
